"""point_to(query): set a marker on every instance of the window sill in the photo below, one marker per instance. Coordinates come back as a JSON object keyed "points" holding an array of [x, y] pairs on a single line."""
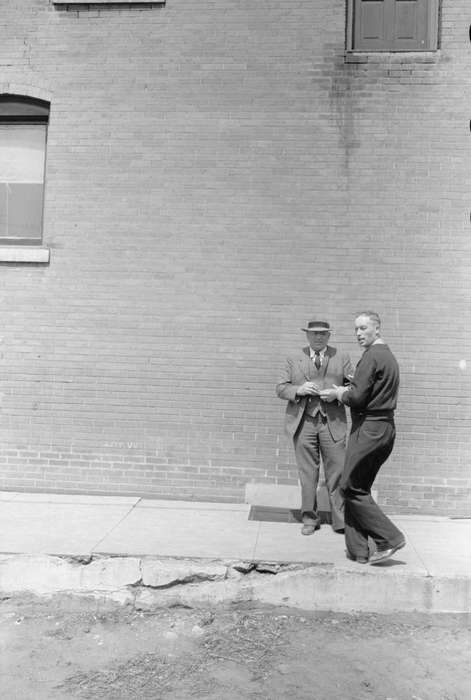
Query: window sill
{"points": [[24, 254], [432, 56]]}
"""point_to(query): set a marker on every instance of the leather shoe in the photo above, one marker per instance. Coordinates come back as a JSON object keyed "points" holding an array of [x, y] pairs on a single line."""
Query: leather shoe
{"points": [[359, 560], [309, 527], [383, 554]]}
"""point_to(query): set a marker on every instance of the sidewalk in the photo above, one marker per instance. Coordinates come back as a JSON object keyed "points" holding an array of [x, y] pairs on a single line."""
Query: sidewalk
{"points": [[433, 572]]}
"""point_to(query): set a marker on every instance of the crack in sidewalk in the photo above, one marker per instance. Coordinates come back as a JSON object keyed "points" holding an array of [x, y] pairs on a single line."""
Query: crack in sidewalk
{"points": [[116, 525]]}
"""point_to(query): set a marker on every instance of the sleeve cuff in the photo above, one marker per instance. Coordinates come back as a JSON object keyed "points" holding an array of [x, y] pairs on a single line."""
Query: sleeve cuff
{"points": [[340, 392]]}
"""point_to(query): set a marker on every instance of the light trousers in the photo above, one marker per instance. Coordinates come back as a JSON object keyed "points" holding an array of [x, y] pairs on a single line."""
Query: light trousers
{"points": [[312, 441]]}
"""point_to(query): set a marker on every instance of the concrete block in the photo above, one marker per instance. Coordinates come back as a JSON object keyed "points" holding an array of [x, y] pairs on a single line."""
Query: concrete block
{"points": [[346, 591], [272, 495], [44, 574], [286, 496], [110, 573], [208, 593], [450, 594], [38, 574]]}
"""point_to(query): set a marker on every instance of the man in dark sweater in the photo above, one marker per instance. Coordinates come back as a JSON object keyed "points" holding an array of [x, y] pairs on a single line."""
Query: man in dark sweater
{"points": [[372, 397]]}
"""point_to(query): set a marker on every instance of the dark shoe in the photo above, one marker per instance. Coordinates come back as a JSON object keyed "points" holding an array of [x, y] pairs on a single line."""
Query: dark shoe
{"points": [[383, 554], [310, 526], [359, 560], [339, 531]]}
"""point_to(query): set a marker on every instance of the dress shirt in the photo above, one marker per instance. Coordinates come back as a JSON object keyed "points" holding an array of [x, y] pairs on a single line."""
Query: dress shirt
{"points": [[312, 354]]}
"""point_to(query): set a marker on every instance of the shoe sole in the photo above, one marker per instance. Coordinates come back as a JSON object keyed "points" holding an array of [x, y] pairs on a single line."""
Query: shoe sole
{"points": [[387, 554], [310, 529], [358, 560]]}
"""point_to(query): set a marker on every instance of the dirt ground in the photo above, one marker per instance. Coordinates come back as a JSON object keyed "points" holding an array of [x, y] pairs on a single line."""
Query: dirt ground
{"points": [[75, 648]]}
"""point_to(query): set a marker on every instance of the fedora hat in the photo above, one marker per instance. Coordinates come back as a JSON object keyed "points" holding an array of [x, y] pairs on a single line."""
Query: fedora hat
{"points": [[317, 326]]}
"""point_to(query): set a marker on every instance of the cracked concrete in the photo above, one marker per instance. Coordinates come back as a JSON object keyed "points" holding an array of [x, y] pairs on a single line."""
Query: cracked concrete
{"points": [[149, 582], [45, 574], [157, 553], [144, 582], [158, 573]]}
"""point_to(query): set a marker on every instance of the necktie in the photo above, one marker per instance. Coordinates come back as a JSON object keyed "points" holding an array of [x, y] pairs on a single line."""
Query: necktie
{"points": [[317, 359]]}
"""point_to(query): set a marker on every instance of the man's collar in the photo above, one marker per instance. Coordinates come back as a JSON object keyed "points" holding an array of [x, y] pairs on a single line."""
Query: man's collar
{"points": [[378, 341], [321, 352]]}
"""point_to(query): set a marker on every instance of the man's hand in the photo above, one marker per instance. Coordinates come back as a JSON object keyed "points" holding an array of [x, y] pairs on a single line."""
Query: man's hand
{"points": [[334, 394], [328, 395], [308, 388]]}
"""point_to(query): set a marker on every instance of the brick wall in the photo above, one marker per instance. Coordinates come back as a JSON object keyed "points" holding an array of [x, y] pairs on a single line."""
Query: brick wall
{"points": [[216, 175]]}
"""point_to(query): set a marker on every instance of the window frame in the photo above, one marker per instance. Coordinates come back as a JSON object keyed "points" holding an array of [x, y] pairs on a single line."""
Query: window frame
{"points": [[432, 33], [21, 110], [24, 110]]}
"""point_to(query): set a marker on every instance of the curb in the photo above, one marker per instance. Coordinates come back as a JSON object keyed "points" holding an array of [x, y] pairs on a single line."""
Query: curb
{"points": [[148, 582]]}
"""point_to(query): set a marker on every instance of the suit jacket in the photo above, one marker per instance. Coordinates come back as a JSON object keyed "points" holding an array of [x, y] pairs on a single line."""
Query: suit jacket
{"points": [[299, 368]]}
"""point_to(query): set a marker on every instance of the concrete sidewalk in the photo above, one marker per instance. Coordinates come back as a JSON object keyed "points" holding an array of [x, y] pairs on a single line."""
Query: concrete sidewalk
{"points": [[45, 532]]}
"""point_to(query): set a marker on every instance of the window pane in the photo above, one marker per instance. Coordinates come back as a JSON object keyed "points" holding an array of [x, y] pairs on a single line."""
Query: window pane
{"points": [[22, 153], [22, 149], [372, 19], [21, 210], [406, 19]]}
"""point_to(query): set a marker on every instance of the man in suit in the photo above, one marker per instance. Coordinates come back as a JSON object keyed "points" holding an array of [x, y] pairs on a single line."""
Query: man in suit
{"points": [[317, 428]]}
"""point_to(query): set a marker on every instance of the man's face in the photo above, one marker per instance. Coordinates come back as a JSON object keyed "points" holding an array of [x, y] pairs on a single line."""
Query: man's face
{"points": [[366, 331], [318, 339]]}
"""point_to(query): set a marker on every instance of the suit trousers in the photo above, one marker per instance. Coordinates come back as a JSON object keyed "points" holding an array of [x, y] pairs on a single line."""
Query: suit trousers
{"points": [[311, 441], [370, 444]]}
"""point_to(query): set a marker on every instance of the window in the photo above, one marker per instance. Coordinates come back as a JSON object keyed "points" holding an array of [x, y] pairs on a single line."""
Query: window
{"points": [[392, 25], [23, 131]]}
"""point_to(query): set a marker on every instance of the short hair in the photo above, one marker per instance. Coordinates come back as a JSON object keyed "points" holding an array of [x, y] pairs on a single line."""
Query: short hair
{"points": [[371, 315]]}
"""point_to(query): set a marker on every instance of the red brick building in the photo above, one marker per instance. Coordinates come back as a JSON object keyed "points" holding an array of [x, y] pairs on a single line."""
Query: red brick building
{"points": [[216, 173]]}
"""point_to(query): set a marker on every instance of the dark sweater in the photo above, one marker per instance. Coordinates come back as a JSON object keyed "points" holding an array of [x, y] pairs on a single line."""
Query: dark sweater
{"points": [[375, 385]]}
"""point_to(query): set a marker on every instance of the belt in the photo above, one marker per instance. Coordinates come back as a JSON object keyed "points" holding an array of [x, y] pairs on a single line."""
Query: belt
{"points": [[386, 414]]}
